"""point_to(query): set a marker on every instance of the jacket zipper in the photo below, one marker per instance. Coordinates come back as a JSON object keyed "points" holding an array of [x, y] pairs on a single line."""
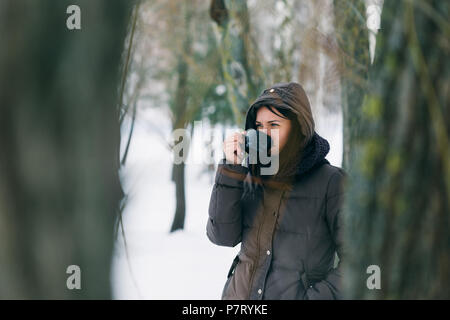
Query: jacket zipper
{"points": [[257, 239], [257, 257]]}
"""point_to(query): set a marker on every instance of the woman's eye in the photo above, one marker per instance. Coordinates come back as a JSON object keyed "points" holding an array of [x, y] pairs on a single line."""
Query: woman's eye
{"points": [[274, 124], [258, 125]]}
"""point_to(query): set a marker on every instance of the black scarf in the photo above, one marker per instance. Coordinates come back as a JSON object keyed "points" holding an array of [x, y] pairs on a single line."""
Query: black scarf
{"points": [[313, 156]]}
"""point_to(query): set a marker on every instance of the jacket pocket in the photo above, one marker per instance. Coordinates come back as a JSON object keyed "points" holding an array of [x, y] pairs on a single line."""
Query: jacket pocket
{"points": [[302, 285], [308, 280], [233, 266], [230, 274], [225, 288]]}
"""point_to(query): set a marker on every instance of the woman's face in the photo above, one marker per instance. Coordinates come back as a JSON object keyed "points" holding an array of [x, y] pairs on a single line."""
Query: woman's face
{"points": [[266, 119]]}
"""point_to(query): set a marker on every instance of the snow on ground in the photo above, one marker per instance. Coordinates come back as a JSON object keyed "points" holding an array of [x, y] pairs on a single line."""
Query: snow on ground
{"points": [[184, 264]]}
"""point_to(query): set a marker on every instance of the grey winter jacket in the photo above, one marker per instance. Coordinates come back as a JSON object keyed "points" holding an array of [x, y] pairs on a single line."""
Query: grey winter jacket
{"points": [[288, 235]]}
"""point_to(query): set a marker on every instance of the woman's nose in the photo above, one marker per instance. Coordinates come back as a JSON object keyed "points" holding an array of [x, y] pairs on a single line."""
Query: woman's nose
{"points": [[266, 130]]}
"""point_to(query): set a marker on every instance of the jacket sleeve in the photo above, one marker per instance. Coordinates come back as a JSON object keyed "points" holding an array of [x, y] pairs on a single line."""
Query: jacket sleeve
{"points": [[224, 226], [331, 287]]}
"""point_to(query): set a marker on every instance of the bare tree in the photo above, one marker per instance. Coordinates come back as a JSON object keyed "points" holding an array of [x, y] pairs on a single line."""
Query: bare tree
{"points": [[241, 71], [353, 41]]}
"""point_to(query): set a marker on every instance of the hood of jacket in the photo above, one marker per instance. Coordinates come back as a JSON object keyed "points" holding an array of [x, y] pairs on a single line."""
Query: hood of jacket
{"points": [[291, 96]]}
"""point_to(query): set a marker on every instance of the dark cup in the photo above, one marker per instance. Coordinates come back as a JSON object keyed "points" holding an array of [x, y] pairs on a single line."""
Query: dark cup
{"points": [[257, 144]]}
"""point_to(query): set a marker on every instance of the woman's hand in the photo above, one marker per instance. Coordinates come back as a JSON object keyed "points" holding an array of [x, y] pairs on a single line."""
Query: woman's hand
{"points": [[232, 148]]}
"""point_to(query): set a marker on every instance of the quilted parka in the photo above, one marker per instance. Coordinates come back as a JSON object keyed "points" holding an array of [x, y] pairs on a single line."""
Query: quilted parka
{"points": [[288, 234]]}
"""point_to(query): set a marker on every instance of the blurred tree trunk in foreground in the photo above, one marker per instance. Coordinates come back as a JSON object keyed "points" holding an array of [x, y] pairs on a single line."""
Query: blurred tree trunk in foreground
{"points": [[240, 66], [353, 39], [180, 121], [59, 139], [397, 211]]}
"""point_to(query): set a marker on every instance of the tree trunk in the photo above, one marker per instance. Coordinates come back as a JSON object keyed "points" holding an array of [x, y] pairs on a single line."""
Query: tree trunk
{"points": [[353, 40], [180, 121], [180, 210], [241, 71], [59, 139], [397, 211]]}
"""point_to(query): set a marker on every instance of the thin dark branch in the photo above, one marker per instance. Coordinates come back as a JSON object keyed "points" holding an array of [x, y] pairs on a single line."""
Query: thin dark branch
{"points": [[133, 120], [127, 61]]}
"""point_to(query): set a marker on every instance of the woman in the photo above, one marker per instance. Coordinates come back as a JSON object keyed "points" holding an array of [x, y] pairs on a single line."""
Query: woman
{"points": [[288, 223]]}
